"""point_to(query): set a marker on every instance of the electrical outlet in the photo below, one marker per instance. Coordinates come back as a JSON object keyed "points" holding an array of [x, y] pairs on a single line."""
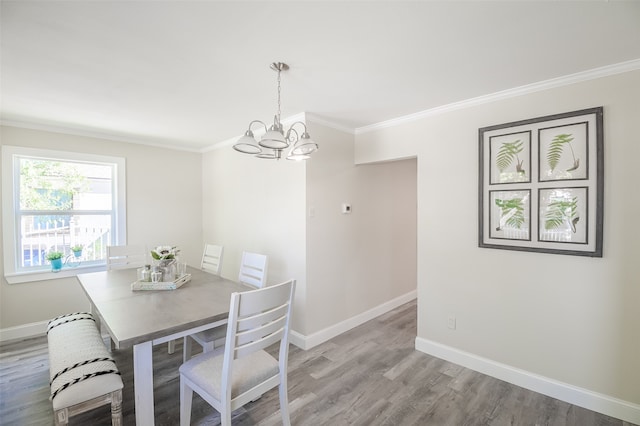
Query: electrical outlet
{"points": [[451, 322]]}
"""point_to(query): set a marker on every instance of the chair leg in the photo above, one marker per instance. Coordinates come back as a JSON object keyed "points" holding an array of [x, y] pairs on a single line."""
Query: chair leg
{"points": [[225, 417], [186, 348], [208, 347], [284, 402], [186, 396]]}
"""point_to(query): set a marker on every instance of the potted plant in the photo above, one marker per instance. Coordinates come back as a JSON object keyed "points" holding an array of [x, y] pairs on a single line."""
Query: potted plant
{"points": [[165, 258], [77, 250], [55, 257]]}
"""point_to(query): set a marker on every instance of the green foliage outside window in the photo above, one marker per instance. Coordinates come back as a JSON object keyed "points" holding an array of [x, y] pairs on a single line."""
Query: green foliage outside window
{"points": [[49, 185]]}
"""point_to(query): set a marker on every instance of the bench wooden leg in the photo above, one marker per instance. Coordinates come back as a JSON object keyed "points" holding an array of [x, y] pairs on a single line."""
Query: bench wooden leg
{"points": [[62, 416], [116, 408]]}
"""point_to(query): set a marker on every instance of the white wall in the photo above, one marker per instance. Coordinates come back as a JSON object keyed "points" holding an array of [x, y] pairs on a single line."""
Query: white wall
{"points": [[358, 265], [357, 261], [257, 205], [164, 205], [573, 320], [345, 264]]}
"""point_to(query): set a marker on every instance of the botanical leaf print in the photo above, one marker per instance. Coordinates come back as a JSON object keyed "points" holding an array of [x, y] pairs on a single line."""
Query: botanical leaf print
{"points": [[512, 213], [560, 212], [556, 148], [507, 153]]}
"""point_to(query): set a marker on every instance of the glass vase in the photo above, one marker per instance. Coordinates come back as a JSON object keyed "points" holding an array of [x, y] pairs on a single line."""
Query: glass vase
{"points": [[168, 269]]}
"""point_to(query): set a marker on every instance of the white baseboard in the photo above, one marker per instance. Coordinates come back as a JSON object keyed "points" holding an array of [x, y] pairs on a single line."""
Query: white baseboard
{"points": [[594, 401], [23, 331], [308, 342]]}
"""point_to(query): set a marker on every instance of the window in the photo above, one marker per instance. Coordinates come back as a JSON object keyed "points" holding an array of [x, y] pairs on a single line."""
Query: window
{"points": [[54, 201]]}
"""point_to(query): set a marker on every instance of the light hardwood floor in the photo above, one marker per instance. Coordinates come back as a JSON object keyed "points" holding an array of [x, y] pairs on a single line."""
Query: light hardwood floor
{"points": [[370, 375]]}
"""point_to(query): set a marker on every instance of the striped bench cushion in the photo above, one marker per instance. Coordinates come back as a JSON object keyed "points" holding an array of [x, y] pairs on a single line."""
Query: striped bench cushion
{"points": [[80, 366]]}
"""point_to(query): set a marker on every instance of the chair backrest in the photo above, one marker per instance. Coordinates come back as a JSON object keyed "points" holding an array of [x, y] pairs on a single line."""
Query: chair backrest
{"points": [[253, 269], [125, 257], [212, 258], [258, 319]]}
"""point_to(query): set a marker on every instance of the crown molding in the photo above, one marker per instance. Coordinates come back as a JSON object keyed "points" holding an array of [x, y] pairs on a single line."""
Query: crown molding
{"points": [[91, 134], [319, 120], [579, 77], [592, 74]]}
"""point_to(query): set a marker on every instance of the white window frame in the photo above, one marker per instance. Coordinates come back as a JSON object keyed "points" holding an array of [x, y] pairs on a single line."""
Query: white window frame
{"points": [[11, 205]]}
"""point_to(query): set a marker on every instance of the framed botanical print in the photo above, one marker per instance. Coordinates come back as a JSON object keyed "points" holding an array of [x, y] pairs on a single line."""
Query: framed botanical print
{"points": [[541, 184], [509, 214]]}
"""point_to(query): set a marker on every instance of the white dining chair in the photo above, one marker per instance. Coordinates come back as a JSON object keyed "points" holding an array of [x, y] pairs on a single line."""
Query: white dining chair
{"points": [[253, 272], [126, 256], [212, 258], [244, 370], [211, 262], [123, 257], [253, 269]]}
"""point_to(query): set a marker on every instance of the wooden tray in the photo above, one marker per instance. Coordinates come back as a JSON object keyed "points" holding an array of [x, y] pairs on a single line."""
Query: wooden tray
{"points": [[162, 285]]}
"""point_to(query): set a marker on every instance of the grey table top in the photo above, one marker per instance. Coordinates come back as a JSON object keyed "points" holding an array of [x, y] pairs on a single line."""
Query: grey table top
{"points": [[133, 317]]}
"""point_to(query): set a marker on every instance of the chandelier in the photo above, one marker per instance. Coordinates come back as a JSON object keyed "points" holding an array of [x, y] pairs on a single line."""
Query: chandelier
{"points": [[275, 140]]}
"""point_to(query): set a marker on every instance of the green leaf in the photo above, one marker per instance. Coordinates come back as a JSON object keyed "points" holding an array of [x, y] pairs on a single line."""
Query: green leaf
{"points": [[507, 152], [513, 207], [560, 212], [556, 148]]}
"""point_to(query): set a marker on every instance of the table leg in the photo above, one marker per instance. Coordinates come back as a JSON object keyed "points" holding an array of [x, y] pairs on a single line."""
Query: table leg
{"points": [[96, 317], [143, 383], [98, 321]]}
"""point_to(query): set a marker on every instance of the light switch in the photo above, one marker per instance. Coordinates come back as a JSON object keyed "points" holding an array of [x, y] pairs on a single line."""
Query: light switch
{"points": [[451, 322]]}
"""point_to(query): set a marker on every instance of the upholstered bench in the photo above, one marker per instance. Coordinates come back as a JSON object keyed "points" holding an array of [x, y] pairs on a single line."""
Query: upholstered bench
{"points": [[83, 374]]}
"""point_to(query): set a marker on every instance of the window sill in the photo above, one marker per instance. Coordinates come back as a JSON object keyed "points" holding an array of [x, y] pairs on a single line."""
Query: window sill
{"points": [[25, 277]]}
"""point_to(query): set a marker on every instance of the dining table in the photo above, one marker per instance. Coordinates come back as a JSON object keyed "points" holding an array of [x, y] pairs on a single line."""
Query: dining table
{"points": [[144, 318]]}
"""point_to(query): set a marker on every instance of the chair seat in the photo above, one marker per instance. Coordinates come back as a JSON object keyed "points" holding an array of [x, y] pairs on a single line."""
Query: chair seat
{"points": [[210, 335], [244, 371], [206, 372]]}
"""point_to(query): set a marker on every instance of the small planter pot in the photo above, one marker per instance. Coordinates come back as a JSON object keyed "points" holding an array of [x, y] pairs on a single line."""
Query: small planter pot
{"points": [[77, 253], [56, 265]]}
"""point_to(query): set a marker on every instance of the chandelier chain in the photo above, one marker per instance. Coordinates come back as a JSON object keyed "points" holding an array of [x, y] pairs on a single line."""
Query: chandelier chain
{"points": [[278, 94]]}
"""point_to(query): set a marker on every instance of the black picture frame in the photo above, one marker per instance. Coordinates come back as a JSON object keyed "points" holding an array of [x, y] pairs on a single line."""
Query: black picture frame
{"points": [[541, 183]]}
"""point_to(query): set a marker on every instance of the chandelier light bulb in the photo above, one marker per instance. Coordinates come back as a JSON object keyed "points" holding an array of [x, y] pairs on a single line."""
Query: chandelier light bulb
{"points": [[247, 144]]}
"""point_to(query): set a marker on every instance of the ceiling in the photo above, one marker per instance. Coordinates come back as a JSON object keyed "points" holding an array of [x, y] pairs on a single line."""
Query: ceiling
{"points": [[192, 74]]}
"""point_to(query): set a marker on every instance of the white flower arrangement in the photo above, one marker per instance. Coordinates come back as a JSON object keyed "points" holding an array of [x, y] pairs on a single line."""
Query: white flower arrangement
{"points": [[164, 252]]}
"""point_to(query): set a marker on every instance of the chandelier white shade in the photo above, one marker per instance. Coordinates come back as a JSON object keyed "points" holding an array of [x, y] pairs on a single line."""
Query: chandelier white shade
{"points": [[297, 145]]}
